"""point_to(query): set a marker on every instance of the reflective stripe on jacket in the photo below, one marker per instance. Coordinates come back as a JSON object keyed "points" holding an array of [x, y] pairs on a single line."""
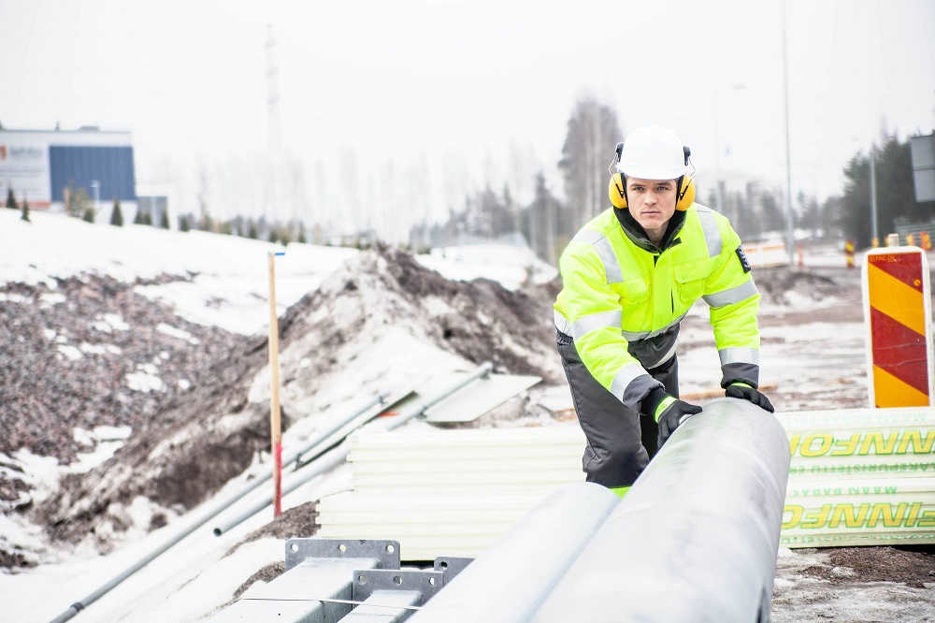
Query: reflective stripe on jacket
{"points": [[623, 303]]}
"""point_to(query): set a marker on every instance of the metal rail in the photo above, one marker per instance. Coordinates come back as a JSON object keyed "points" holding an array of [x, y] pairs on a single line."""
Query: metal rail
{"points": [[83, 603], [332, 458]]}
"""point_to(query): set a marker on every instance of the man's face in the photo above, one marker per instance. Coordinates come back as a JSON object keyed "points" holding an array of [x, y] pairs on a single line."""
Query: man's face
{"points": [[651, 202]]}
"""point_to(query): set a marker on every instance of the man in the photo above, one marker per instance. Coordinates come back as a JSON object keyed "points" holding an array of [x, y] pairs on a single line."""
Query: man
{"points": [[629, 277]]}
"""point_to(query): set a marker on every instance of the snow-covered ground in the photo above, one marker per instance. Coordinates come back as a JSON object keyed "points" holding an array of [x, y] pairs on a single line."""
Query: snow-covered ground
{"points": [[226, 286], [511, 266], [229, 287]]}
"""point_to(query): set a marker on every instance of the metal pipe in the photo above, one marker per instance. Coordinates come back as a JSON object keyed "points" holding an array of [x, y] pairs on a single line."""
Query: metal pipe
{"points": [[696, 537], [509, 581], [216, 510], [335, 457]]}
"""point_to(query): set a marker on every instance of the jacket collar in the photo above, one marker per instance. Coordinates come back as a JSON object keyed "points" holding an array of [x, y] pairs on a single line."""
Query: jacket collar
{"points": [[640, 238]]}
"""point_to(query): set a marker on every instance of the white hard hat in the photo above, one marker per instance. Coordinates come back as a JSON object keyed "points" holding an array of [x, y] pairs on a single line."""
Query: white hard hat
{"points": [[652, 153]]}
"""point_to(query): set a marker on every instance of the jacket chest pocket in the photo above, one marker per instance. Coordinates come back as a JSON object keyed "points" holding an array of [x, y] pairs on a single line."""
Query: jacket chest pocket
{"points": [[632, 292], [690, 280]]}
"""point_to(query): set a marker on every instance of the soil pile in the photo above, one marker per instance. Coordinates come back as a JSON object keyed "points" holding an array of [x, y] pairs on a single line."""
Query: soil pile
{"points": [[188, 442], [787, 286], [68, 357]]}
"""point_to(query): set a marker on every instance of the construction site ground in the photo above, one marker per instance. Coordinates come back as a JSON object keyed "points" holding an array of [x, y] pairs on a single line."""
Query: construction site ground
{"points": [[132, 402]]}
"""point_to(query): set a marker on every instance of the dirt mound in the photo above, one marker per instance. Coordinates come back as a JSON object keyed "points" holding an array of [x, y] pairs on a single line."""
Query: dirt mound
{"points": [[479, 320], [298, 522], [67, 357], [877, 564], [783, 285], [186, 444]]}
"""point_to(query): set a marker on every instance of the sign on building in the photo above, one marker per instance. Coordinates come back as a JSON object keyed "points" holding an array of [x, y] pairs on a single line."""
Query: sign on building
{"points": [[923, 166]]}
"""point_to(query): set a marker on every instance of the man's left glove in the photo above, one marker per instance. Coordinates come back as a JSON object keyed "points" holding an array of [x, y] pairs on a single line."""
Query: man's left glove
{"points": [[669, 412], [739, 389]]}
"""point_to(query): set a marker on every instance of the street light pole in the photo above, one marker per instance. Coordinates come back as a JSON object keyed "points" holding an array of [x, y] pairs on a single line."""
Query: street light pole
{"points": [[874, 235], [718, 187], [790, 237]]}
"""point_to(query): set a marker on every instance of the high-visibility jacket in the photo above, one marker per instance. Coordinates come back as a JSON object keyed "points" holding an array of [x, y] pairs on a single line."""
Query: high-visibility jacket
{"points": [[623, 298]]}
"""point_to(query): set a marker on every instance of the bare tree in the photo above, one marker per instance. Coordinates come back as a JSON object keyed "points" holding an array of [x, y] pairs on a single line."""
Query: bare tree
{"points": [[590, 136]]}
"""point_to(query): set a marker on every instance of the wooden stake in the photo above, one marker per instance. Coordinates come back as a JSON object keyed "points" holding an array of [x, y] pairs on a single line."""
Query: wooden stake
{"points": [[275, 425]]}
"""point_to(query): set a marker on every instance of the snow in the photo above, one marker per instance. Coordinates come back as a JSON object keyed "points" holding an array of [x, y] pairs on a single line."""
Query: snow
{"points": [[226, 285], [70, 352], [104, 441], [51, 298], [99, 349], [508, 264], [14, 298], [143, 381], [229, 288], [188, 583], [115, 322], [177, 333]]}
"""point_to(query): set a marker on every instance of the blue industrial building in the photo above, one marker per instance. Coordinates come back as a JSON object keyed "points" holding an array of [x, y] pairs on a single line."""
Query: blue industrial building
{"points": [[78, 166], [39, 165]]}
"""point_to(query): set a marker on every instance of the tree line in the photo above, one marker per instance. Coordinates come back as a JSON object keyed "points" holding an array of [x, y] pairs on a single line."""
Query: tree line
{"points": [[548, 222], [547, 219]]}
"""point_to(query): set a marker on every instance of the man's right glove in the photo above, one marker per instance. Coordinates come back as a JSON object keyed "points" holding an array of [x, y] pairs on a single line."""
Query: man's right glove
{"points": [[669, 412]]}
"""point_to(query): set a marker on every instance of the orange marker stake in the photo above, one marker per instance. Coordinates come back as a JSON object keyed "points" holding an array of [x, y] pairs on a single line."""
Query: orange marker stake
{"points": [[926, 241], [275, 425], [849, 253]]}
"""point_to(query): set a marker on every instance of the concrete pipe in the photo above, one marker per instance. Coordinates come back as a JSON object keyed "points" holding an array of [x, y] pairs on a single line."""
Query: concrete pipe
{"points": [[696, 537]]}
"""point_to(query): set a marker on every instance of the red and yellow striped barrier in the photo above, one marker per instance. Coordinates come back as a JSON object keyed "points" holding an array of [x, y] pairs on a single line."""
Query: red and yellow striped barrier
{"points": [[896, 310]]}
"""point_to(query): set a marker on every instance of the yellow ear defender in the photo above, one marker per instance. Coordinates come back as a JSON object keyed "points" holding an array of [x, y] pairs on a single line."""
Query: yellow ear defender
{"points": [[617, 189]]}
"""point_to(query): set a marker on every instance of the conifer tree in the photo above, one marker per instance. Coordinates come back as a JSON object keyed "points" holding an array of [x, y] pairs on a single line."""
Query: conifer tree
{"points": [[116, 216], [25, 215], [301, 237], [184, 224], [88, 215], [252, 233], [10, 199], [164, 221]]}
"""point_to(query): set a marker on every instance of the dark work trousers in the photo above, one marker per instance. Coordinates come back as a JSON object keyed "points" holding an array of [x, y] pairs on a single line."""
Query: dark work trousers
{"points": [[620, 442]]}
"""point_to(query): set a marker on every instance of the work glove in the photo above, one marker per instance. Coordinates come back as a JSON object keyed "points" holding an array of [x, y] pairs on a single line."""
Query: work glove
{"points": [[738, 389], [668, 411]]}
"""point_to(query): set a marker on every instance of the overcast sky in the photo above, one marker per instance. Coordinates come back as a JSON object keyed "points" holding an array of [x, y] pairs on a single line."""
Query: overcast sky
{"points": [[477, 80]]}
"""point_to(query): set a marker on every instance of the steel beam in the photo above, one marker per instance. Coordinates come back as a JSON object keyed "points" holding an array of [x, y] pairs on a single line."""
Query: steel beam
{"points": [[318, 585], [696, 537]]}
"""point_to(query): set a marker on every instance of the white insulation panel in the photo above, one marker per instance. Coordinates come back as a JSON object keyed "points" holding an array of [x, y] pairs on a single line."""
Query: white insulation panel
{"points": [[857, 477]]}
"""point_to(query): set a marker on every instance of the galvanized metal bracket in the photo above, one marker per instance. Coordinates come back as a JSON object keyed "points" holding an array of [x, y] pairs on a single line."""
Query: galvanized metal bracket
{"points": [[451, 565], [366, 581], [387, 552]]}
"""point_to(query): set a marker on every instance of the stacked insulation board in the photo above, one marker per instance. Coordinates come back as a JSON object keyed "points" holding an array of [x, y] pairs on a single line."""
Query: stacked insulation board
{"points": [[449, 492], [860, 477], [857, 477]]}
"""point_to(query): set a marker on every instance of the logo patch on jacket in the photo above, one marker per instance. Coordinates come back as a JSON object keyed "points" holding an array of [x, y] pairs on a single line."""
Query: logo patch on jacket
{"points": [[744, 262]]}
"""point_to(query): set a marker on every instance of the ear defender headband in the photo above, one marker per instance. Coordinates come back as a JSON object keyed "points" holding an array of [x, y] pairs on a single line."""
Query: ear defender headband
{"points": [[617, 189]]}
